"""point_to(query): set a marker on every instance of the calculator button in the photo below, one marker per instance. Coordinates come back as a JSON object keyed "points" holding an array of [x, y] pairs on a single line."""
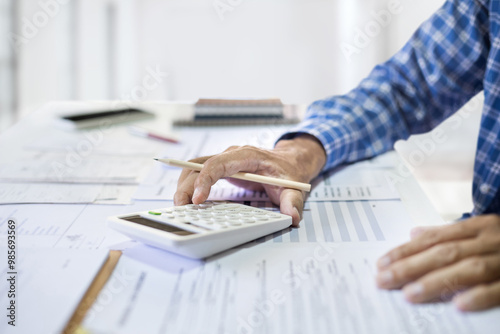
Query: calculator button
{"points": [[169, 216], [247, 220], [226, 206], [179, 214], [262, 218], [206, 209], [247, 209], [233, 223], [205, 205], [179, 208], [231, 217], [155, 213]]}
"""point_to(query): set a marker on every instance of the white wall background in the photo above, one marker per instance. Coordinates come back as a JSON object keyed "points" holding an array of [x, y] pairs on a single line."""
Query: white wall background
{"points": [[101, 49]]}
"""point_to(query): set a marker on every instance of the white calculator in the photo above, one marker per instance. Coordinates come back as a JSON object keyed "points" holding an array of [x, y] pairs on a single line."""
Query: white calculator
{"points": [[198, 231]]}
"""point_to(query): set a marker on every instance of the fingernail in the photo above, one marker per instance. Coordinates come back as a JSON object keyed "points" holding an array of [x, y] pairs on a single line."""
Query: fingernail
{"points": [[296, 211], [413, 290], [416, 231], [384, 261], [463, 302], [385, 277]]}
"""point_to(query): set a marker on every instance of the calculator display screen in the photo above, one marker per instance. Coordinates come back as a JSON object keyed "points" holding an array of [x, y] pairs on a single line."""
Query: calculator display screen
{"points": [[159, 226]]}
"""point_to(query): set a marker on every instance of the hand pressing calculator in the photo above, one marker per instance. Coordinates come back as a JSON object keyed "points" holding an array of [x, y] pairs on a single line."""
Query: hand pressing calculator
{"points": [[198, 231]]}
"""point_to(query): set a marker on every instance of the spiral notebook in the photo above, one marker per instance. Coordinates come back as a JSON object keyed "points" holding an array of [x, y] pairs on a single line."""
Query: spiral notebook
{"points": [[230, 112]]}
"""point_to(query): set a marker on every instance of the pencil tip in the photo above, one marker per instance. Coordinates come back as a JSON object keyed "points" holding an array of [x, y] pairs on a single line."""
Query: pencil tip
{"points": [[155, 159]]}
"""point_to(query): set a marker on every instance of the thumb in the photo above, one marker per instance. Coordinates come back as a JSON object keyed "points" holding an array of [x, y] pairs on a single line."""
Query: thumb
{"points": [[292, 204]]}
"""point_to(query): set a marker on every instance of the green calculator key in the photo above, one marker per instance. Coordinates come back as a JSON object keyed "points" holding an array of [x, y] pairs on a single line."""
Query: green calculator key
{"points": [[156, 213]]}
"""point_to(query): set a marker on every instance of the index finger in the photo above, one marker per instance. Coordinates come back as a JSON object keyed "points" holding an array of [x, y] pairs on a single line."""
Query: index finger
{"points": [[185, 184], [224, 165]]}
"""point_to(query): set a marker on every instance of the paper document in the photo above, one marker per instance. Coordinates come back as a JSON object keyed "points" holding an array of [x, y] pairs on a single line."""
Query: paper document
{"points": [[287, 289], [25, 193], [39, 225], [11, 193], [384, 161], [353, 183], [217, 139], [346, 222], [115, 194], [74, 168], [223, 190], [102, 144], [72, 226], [49, 285]]}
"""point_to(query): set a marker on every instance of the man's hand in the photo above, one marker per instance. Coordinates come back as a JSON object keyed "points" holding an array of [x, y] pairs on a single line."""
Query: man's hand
{"points": [[300, 159], [460, 261]]}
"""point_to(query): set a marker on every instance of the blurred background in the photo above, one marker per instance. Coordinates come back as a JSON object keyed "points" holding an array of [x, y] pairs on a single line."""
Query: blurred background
{"points": [[298, 50]]}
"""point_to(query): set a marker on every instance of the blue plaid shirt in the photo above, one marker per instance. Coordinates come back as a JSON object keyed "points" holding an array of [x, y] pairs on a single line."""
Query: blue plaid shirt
{"points": [[452, 57]]}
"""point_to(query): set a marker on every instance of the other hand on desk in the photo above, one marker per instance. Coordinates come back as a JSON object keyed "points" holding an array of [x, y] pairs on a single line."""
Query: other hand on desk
{"points": [[299, 159], [460, 260]]}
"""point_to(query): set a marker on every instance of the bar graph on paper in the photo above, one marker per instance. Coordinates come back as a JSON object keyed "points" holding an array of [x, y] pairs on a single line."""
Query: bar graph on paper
{"points": [[343, 221]]}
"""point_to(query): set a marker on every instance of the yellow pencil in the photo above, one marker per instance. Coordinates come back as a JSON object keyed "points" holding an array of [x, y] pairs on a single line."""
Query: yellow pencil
{"points": [[243, 176]]}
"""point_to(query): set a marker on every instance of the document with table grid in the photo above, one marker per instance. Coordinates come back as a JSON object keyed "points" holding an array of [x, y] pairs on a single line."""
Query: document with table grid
{"points": [[306, 288]]}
